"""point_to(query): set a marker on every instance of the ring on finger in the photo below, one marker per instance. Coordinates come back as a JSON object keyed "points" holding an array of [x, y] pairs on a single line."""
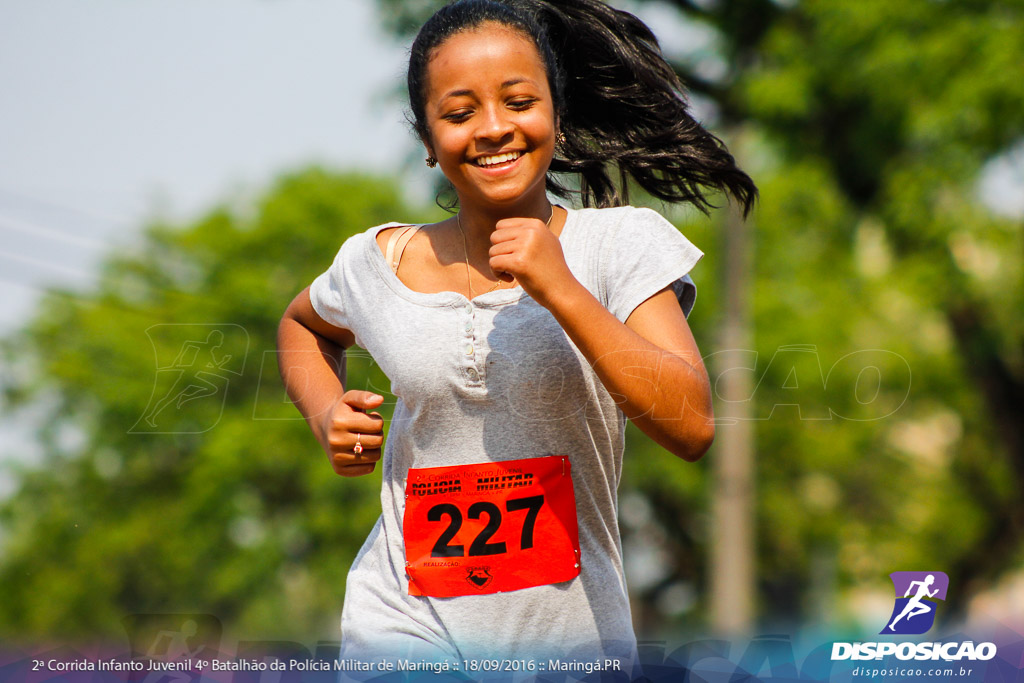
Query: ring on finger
{"points": [[358, 448]]}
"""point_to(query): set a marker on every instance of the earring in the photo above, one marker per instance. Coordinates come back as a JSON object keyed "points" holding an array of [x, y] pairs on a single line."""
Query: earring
{"points": [[560, 138], [431, 162]]}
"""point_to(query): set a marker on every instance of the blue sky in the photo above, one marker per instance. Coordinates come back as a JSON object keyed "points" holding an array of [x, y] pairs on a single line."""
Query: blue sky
{"points": [[112, 111]]}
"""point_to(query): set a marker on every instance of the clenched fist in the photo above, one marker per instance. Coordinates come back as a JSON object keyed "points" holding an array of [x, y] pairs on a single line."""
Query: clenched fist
{"points": [[526, 249], [351, 436]]}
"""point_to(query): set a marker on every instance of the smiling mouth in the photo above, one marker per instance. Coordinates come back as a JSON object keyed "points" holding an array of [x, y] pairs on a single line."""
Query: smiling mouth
{"points": [[497, 159]]}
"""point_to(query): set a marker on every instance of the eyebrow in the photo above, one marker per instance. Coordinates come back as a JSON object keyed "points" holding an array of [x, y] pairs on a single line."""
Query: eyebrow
{"points": [[507, 84]]}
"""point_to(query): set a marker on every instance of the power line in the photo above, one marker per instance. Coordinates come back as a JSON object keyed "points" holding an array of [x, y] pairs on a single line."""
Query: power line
{"points": [[28, 260], [49, 204], [35, 229]]}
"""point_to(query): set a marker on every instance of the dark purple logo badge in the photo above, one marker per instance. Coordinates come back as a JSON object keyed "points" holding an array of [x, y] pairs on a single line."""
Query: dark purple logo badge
{"points": [[916, 596]]}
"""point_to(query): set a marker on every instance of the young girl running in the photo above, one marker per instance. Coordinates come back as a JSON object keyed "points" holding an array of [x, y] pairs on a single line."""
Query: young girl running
{"points": [[518, 336]]}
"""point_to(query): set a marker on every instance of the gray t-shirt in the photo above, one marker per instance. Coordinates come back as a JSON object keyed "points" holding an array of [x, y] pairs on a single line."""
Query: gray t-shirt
{"points": [[491, 380]]}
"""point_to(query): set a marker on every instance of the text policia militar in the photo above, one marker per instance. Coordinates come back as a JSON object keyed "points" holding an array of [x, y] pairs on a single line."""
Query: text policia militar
{"points": [[948, 652]]}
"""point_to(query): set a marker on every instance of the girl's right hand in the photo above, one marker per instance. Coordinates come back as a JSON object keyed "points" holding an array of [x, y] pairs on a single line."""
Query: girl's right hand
{"points": [[348, 422]]}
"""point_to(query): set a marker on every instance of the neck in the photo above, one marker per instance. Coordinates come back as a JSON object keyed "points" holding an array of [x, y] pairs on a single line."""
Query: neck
{"points": [[479, 223]]}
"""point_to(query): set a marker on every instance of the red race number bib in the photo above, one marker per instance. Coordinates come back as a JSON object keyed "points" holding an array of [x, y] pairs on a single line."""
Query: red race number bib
{"points": [[490, 527]]}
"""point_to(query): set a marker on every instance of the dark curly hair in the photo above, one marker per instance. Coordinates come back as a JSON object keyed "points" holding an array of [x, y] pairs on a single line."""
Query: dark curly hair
{"points": [[622, 109]]}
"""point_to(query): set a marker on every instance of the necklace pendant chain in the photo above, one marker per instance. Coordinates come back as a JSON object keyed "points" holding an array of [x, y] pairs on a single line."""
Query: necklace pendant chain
{"points": [[465, 252]]}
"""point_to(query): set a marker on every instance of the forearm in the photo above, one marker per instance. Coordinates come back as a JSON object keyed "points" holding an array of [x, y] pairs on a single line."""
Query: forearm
{"points": [[665, 392], [312, 368]]}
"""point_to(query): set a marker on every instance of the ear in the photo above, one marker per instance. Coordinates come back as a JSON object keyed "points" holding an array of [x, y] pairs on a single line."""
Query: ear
{"points": [[427, 146]]}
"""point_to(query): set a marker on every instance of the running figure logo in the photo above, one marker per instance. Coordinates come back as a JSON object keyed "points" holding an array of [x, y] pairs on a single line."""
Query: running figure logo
{"points": [[914, 612], [193, 371]]}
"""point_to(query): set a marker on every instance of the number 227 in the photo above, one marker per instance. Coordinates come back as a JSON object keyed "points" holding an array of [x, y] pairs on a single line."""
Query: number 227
{"points": [[480, 545]]}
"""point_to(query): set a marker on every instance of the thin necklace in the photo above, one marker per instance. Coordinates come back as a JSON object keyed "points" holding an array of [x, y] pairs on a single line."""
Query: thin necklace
{"points": [[465, 252]]}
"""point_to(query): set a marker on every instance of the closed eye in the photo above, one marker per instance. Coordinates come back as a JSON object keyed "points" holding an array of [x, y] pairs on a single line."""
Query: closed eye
{"points": [[457, 116], [522, 104]]}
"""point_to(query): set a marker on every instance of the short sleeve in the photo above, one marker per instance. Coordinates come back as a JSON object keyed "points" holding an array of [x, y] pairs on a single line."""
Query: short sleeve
{"points": [[330, 289], [643, 255]]}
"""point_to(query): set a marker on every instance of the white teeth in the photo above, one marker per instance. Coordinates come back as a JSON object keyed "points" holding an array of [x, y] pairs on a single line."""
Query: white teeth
{"points": [[498, 159]]}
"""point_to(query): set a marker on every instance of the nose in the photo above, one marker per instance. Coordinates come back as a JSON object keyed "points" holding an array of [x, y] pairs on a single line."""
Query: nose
{"points": [[495, 125]]}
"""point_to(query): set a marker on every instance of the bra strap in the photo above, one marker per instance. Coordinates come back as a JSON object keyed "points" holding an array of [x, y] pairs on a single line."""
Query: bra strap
{"points": [[397, 242]]}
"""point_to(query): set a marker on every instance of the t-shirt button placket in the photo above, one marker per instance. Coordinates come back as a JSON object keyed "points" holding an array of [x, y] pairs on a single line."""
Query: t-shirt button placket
{"points": [[468, 348], [470, 352]]}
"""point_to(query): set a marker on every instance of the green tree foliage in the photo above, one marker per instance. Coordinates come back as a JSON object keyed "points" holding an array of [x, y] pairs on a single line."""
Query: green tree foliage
{"points": [[867, 126], [225, 504], [880, 118]]}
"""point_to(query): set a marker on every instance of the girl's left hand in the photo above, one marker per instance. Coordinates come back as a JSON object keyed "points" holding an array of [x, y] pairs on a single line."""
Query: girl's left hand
{"points": [[527, 249]]}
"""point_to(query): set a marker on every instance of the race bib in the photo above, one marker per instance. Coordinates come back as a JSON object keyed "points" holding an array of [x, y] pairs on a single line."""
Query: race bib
{"points": [[490, 527]]}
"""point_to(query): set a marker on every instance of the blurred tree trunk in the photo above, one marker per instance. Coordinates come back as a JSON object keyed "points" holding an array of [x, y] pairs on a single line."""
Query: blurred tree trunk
{"points": [[732, 521]]}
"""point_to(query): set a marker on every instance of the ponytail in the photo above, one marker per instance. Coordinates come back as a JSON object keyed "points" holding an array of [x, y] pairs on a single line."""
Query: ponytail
{"points": [[622, 109]]}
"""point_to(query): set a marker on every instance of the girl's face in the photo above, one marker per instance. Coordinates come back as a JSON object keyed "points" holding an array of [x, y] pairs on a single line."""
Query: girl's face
{"points": [[490, 117]]}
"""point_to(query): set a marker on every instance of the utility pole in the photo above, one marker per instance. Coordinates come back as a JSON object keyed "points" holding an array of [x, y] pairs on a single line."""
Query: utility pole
{"points": [[732, 513]]}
